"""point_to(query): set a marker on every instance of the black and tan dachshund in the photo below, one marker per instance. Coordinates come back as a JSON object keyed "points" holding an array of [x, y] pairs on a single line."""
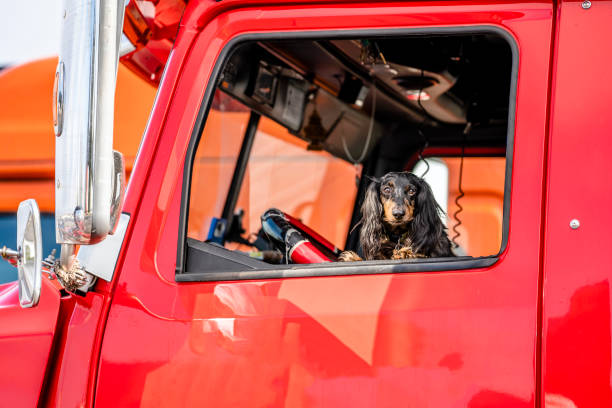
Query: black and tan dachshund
{"points": [[400, 219]]}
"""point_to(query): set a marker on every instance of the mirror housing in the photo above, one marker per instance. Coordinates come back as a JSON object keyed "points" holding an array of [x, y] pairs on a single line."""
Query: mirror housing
{"points": [[83, 118], [29, 250]]}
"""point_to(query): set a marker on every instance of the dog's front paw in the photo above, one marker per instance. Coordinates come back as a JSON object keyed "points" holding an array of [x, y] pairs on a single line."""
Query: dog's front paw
{"points": [[405, 253], [349, 256]]}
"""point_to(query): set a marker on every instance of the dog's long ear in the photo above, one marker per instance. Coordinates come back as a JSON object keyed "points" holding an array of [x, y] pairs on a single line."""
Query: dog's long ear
{"points": [[428, 230], [372, 231]]}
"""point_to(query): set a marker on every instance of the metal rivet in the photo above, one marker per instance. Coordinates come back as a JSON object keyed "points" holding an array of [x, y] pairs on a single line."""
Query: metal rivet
{"points": [[574, 224], [586, 4]]}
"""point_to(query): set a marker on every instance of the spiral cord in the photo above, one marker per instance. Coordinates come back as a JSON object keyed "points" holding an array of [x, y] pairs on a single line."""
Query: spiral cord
{"points": [[458, 222], [420, 154], [425, 143]]}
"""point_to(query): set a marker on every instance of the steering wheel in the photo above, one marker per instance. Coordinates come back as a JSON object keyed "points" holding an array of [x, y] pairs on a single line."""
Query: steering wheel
{"points": [[300, 243]]}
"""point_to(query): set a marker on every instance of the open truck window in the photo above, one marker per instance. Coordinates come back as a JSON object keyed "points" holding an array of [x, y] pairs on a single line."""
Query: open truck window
{"points": [[296, 130]]}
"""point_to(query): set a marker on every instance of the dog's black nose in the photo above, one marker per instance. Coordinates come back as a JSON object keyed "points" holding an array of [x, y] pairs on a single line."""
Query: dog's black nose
{"points": [[398, 213]]}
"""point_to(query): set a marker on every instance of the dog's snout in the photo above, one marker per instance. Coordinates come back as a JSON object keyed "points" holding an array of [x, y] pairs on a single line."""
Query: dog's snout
{"points": [[398, 212]]}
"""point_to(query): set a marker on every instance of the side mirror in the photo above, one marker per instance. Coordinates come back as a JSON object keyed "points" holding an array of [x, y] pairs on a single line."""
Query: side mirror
{"points": [[28, 256], [29, 247]]}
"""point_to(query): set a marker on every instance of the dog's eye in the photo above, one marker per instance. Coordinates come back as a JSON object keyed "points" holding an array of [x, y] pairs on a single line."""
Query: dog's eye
{"points": [[387, 190], [411, 191]]}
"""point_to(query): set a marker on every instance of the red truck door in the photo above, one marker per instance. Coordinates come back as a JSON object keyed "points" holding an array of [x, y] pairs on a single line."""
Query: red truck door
{"points": [[576, 310], [461, 334]]}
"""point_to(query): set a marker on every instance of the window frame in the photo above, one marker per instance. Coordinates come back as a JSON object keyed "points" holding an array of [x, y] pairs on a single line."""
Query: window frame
{"points": [[269, 271]]}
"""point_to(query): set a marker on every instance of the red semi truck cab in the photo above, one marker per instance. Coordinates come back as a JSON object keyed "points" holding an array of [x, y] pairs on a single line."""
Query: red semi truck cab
{"points": [[272, 119]]}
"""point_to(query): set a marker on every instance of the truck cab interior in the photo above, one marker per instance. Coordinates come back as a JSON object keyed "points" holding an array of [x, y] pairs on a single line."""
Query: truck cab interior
{"points": [[298, 128]]}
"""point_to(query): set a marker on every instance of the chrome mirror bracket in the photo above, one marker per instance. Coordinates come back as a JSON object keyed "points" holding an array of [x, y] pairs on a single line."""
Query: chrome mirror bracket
{"points": [[69, 272]]}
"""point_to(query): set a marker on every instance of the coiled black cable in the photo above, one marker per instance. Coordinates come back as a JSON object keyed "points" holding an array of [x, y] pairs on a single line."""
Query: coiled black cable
{"points": [[424, 144], [458, 222], [421, 150]]}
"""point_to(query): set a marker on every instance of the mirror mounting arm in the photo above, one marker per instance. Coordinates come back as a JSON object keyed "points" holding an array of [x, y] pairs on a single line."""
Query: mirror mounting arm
{"points": [[70, 273], [9, 254]]}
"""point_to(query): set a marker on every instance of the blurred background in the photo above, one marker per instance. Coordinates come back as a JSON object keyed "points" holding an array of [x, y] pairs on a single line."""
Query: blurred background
{"points": [[30, 35], [28, 30]]}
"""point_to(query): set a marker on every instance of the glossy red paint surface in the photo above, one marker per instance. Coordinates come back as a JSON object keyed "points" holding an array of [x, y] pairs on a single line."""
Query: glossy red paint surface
{"points": [[76, 351], [577, 264], [26, 336], [457, 338]]}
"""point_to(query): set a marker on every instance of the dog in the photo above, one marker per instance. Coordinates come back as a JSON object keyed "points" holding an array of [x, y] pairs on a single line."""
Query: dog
{"points": [[400, 220]]}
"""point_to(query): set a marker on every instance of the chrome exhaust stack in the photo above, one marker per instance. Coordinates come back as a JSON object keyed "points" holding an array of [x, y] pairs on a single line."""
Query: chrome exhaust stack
{"points": [[89, 179]]}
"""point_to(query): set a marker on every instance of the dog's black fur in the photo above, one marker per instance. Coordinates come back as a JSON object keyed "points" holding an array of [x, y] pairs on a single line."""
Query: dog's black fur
{"points": [[400, 219]]}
